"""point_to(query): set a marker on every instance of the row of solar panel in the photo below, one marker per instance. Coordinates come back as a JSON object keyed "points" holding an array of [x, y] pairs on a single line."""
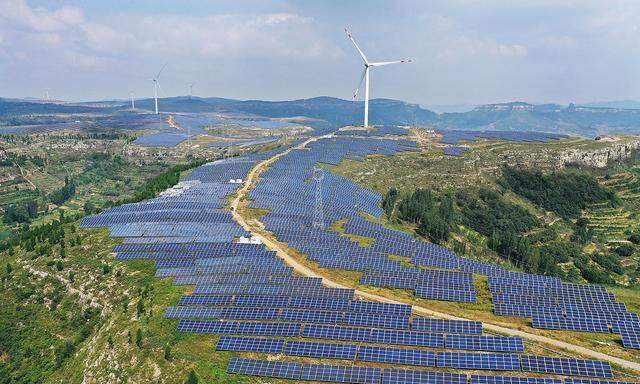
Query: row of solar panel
{"points": [[312, 316], [308, 303], [371, 375]]}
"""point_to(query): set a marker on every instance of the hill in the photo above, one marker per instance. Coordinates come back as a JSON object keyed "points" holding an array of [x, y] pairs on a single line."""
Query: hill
{"points": [[586, 121]]}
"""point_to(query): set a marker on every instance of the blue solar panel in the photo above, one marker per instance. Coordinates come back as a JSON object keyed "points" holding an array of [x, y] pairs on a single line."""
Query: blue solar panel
{"points": [[583, 324], [490, 361], [408, 376], [341, 374], [207, 326], [321, 350], [312, 316], [319, 303], [249, 344], [374, 320], [571, 380], [485, 343], [381, 308], [446, 326], [397, 356], [480, 379], [285, 370], [403, 337], [268, 329], [566, 366]]}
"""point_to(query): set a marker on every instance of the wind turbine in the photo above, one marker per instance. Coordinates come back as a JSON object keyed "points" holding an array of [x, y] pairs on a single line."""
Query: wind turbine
{"points": [[190, 89], [133, 103], [156, 85], [365, 76]]}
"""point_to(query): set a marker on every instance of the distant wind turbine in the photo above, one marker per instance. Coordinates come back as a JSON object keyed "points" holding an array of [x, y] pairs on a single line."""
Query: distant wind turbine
{"points": [[365, 76], [133, 103], [46, 93], [156, 85], [190, 89]]}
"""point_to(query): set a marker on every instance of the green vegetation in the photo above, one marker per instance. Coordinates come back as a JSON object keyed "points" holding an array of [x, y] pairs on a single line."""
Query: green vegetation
{"points": [[161, 182], [565, 193]]}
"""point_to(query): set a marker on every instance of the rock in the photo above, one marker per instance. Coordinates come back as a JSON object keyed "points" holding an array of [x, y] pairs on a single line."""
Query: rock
{"points": [[598, 158]]}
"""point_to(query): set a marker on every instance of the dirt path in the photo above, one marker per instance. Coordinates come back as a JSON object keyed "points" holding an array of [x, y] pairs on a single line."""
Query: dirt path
{"points": [[305, 271]]}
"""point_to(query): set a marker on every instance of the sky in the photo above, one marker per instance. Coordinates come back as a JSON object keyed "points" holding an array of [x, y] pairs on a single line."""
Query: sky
{"points": [[463, 51]]}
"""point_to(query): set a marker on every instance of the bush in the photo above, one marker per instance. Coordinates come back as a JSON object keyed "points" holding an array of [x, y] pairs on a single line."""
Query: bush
{"points": [[624, 250]]}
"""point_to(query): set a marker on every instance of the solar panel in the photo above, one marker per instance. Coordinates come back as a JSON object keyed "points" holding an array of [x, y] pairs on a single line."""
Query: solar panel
{"points": [[446, 326], [312, 316], [582, 324], [433, 293], [485, 343], [267, 329], [285, 370], [381, 308], [249, 344], [336, 332], [207, 326], [262, 301], [319, 303], [341, 374], [630, 339], [480, 379], [571, 380], [408, 376], [490, 361], [566, 366], [403, 337], [205, 300], [374, 320], [397, 356], [321, 350]]}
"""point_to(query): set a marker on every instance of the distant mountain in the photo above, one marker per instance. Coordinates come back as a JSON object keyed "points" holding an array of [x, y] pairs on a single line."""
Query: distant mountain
{"points": [[450, 108], [328, 112], [520, 116], [620, 104]]}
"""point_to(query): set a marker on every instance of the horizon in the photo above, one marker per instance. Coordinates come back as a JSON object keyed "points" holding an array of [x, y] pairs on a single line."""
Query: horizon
{"points": [[287, 50]]}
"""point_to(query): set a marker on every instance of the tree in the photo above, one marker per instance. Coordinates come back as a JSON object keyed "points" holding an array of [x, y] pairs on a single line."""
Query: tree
{"points": [[192, 379], [139, 338], [59, 266], [167, 352], [89, 207], [389, 201], [140, 308]]}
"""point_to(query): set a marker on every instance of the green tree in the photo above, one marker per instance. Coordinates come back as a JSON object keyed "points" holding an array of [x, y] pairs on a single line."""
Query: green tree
{"points": [[139, 338], [192, 379]]}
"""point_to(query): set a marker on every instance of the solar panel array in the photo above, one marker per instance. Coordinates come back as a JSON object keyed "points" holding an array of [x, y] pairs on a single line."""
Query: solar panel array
{"points": [[552, 304], [247, 296]]}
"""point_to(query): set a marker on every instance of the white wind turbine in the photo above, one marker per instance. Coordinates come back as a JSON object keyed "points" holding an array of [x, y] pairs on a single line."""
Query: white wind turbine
{"points": [[156, 85], [365, 76]]}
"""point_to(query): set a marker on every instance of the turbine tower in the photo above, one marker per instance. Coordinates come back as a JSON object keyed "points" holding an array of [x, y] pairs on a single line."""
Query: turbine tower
{"points": [[190, 89], [156, 85], [133, 103], [365, 76]]}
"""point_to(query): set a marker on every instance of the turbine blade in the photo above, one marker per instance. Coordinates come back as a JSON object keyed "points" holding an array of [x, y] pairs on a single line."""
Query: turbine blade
{"points": [[381, 63], [364, 58], [364, 72], [161, 69]]}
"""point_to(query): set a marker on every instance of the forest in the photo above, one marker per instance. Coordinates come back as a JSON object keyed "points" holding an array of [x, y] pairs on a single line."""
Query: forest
{"points": [[513, 232]]}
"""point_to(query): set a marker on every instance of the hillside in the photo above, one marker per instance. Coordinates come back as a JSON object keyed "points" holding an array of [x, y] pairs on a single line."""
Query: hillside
{"points": [[325, 112]]}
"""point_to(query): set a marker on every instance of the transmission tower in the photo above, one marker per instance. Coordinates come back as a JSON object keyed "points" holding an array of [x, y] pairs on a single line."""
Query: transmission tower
{"points": [[318, 212]]}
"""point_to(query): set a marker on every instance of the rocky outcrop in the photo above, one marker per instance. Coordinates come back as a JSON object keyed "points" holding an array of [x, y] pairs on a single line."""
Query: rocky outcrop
{"points": [[598, 158]]}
